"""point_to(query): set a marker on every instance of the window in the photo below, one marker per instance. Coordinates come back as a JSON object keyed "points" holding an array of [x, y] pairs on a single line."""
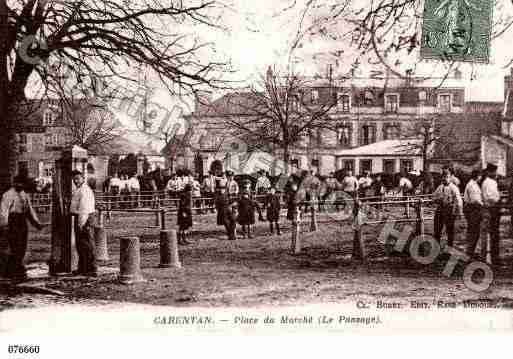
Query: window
{"points": [[348, 165], [315, 96], [52, 140], [23, 143], [48, 169], [294, 162], [365, 165], [344, 136], [389, 166], [406, 166], [344, 102], [391, 132], [368, 98], [48, 117], [23, 168], [367, 135], [315, 163], [444, 103], [391, 103]]}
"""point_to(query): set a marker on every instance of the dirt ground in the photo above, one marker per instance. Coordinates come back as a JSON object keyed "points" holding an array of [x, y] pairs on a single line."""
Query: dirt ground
{"points": [[263, 271]]}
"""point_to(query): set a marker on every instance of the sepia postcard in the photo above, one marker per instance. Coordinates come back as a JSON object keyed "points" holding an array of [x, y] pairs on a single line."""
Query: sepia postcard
{"points": [[227, 167]]}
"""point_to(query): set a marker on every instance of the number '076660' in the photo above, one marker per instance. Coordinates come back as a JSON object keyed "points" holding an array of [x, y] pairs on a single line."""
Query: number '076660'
{"points": [[23, 349]]}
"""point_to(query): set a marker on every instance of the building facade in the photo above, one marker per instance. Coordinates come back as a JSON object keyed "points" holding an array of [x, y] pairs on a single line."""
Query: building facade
{"points": [[373, 114]]}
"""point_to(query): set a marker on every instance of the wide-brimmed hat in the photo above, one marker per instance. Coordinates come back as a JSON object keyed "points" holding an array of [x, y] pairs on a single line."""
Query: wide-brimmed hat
{"points": [[490, 167]]}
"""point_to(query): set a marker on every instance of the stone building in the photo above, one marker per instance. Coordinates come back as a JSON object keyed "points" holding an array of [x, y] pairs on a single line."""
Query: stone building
{"points": [[372, 118]]}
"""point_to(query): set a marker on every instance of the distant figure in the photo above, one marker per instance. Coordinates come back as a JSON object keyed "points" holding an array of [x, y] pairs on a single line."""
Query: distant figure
{"points": [[331, 186], [292, 202], [135, 190], [15, 211], [364, 184], [115, 187], [173, 186], [196, 194], [491, 210], [447, 197], [350, 184], [273, 206], [226, 212], [472, 208], [405, 185], [185, 215], [232, 188], [209, 189], [263, 184], [246, 208]]}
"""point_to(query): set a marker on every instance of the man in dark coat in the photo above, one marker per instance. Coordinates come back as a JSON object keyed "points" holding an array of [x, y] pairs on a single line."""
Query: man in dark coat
{"points": [[273, 206], [225, 211], [246, 207], [184, 215]]}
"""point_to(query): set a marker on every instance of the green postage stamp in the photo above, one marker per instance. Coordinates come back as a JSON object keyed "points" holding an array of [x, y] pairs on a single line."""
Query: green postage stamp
{"points": [[457, 30]]}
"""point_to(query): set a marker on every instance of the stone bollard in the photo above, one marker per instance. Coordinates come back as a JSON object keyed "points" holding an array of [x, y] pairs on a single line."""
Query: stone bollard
{"points": [[158, 222], [313, 219], [129, 260], [296, 240], [169, 250], [100, 241]]}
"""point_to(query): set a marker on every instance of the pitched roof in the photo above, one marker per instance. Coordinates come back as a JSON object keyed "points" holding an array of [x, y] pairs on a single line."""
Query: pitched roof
{"points": [[236, 103], [461, 136], [406, 147]]}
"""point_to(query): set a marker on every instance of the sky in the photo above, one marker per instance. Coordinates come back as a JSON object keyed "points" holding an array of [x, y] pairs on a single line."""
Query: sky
{"points": [[261, 32]]}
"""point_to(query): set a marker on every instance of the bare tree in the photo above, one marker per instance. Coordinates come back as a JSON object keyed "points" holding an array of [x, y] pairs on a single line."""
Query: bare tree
{"points": [[91, 126], [439, 139], [95, 41], [280, 111], [386, 34]]}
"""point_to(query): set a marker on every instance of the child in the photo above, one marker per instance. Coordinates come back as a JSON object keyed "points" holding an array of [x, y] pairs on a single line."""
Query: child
{"points": [[272, 203], [246, 208], [225, 212], [185, 215]]}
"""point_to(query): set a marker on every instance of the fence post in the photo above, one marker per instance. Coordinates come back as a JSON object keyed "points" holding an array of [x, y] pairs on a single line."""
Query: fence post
{"points": [[407, 207], [420, 218], [163, 219], [313, 222], [358, 244], [296, 240]]}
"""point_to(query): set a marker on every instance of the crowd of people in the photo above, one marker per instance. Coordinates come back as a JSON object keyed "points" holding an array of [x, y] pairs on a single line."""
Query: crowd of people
{"points": [[238, 202]]}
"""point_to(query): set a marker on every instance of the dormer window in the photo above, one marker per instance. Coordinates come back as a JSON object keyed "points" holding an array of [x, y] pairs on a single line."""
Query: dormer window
{"points": [[391, 103], [49, 117], [445, 103], [344, 102], [315, 96]]}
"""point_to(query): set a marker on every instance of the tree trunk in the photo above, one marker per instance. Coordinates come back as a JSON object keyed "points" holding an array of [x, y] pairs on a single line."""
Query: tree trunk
{"points": [[286, 159], [8, 148]]}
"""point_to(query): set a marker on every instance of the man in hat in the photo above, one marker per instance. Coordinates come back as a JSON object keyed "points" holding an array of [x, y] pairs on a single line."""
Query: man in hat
{"points": [[449, 206], [225, 210], [82, 208], [473, 206], [209, 189], [263, 184], [491, 211], [15, 211], [232, 188]]}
